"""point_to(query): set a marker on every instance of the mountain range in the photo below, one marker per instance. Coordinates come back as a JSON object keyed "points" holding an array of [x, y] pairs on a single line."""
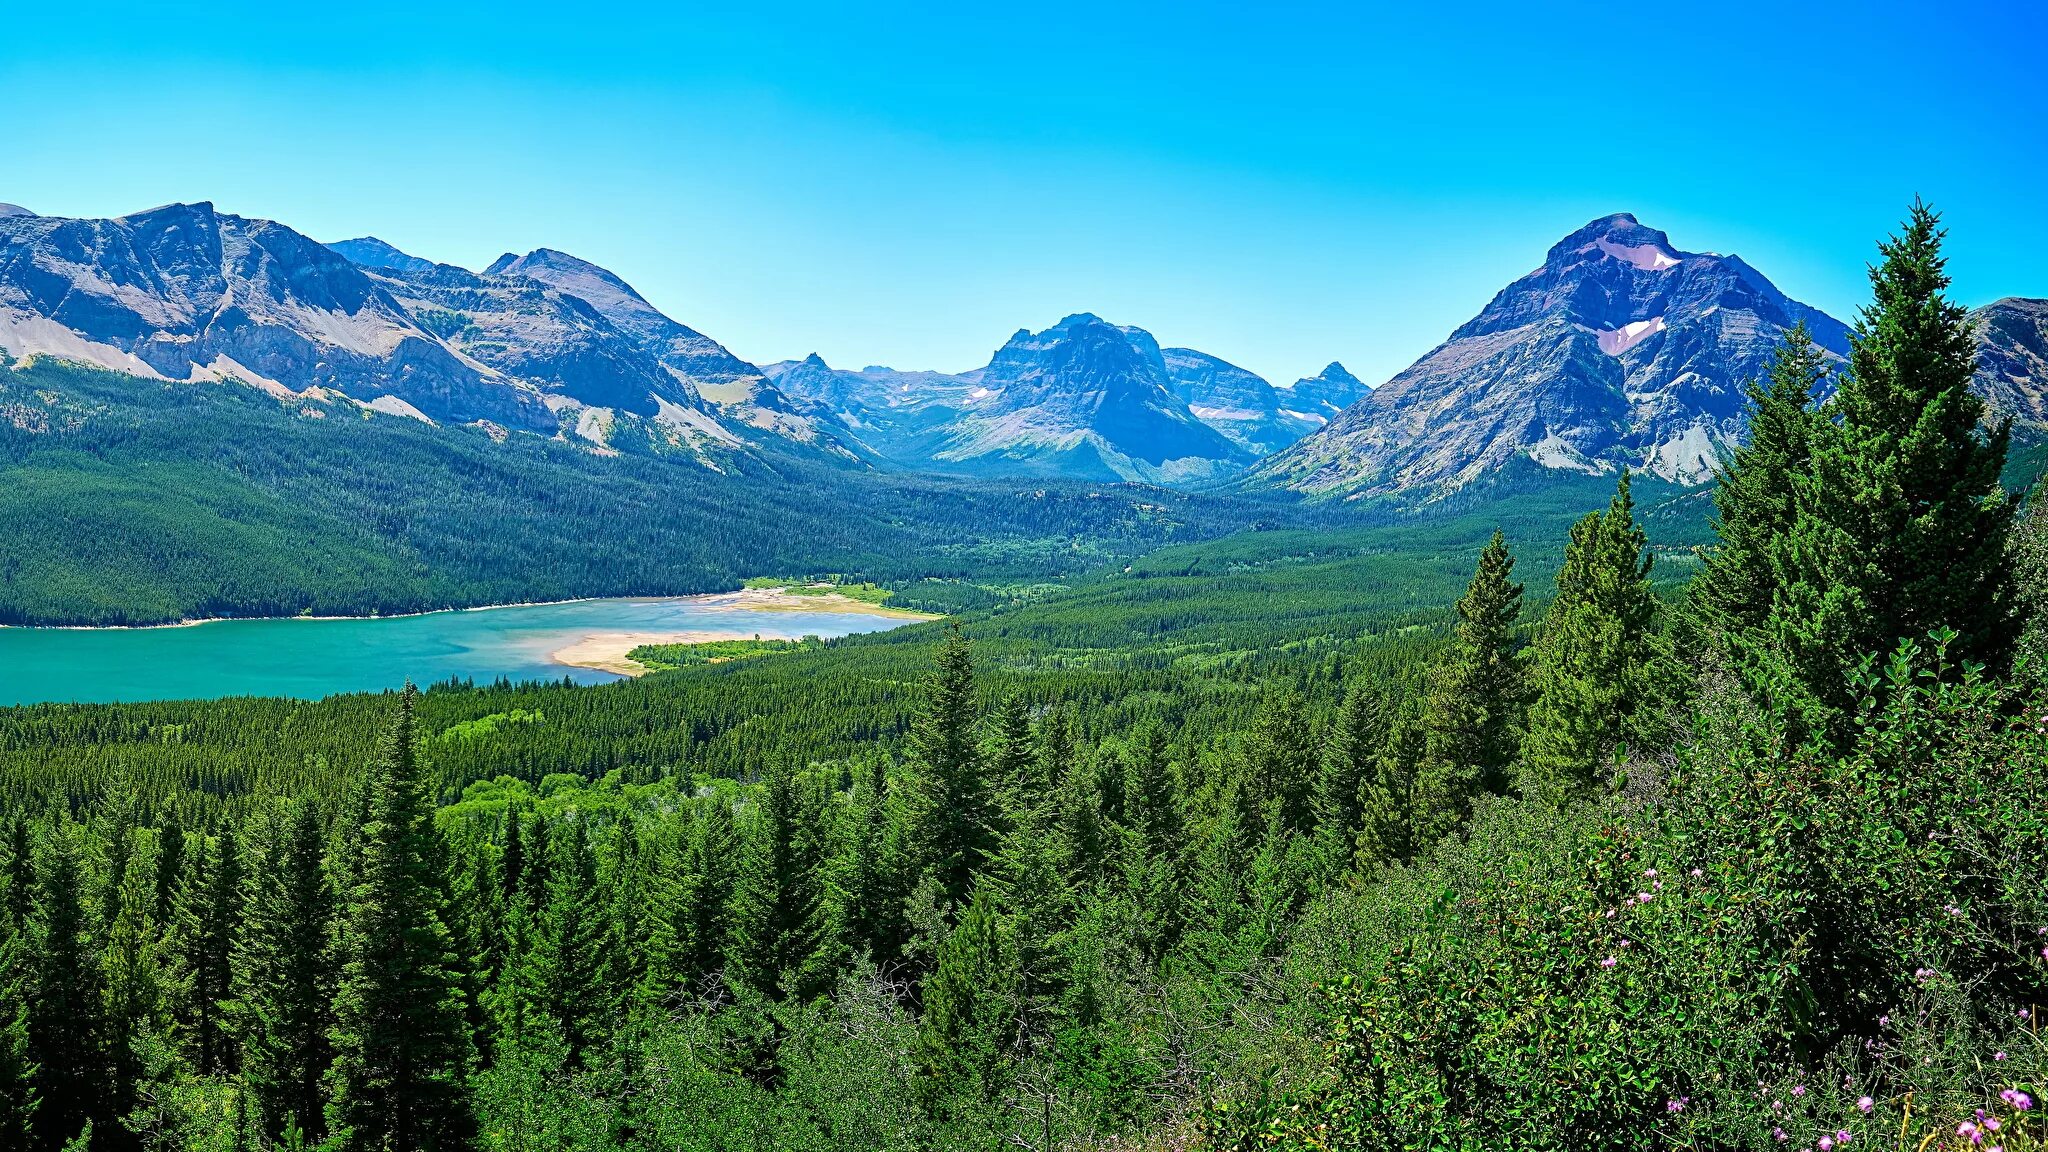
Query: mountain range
{"points": [[1620, 350]]}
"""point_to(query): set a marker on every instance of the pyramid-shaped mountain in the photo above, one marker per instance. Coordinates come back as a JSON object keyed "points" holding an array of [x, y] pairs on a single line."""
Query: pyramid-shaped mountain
{"points": [[1621, 350]]}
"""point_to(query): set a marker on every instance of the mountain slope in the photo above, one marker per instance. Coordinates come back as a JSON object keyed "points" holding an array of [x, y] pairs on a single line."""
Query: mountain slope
{"points": [[1083, 398], [1619, 351], [125, 500], [2012, 362], [184, 292], [1238, 403], [1322, 396]]}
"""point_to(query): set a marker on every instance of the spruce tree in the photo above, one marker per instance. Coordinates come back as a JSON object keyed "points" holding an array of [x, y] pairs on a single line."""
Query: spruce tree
{"points": [[712, 871], [1903, 526], [402, 1053], [1729, 602], [567, 939], [207, 916], [66, 1026], [1595, 677], [1472, 715], [17, 1069], [1350, 763], [1395, 822], [955, 810], [285, 978], [963, 1042], [777, 910], [138, 975], [1280, 761]]}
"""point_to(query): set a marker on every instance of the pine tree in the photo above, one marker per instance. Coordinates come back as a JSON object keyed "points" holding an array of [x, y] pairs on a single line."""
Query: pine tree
{"points": [[955, 810], [1903, 526], [777, 910], [138, 974], [402, 1051], [1350, 766], [1280, 761], [1730, 601], [963, 1042], [1472, 714], [207, 915], [1596, 675], [285, 979], [1397, 821], [66, 1027], [17, 1069], [567, 937]]}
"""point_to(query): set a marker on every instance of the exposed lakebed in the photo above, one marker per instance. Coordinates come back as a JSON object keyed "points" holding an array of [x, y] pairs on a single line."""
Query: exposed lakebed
{"points": [[583, 640]]}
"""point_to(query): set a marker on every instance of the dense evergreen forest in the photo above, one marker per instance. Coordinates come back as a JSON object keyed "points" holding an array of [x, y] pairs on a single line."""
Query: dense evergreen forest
{"points": [[1258, 843], [130, 501]]}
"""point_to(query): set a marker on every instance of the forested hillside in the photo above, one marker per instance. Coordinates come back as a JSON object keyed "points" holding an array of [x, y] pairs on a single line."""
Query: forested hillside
{"points": [[129, 501], [1278, 841]]}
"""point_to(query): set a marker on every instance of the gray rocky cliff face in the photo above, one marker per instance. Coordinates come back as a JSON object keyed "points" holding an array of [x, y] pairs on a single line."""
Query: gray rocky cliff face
{"points": [[1619, 351]]}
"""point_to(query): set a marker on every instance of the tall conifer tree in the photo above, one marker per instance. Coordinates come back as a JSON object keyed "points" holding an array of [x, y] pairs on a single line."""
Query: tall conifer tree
{"points": [[1472, 716], [1903, 526], [402, 1048], [66, 1026], [285, 975], [1755, 500], [955, 808], [1596, 674]]}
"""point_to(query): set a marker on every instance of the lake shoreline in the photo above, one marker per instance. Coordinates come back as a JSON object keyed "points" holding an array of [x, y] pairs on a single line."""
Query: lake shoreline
{"points": [[761, 599], [611, 651]]}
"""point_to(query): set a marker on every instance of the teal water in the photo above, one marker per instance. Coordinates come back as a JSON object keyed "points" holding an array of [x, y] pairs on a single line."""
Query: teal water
{"points": [[309, 659]]}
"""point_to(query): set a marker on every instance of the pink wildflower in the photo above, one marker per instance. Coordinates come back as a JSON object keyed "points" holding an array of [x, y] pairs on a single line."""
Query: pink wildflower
{"points": [[1865, 1103]]}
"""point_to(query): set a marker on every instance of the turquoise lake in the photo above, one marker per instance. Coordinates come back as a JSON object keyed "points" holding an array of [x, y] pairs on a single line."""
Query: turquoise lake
{"points": [[309, 659]]}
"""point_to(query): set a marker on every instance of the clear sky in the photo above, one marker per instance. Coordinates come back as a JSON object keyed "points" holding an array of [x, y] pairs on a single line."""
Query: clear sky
{"points": [[1280, 184]]}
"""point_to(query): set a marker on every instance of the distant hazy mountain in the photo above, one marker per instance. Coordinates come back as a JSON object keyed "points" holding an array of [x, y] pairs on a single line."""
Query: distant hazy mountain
{"points": [[1083, 398], [1322, 396], [1238, 403], [1619, 351], [371, 252]]}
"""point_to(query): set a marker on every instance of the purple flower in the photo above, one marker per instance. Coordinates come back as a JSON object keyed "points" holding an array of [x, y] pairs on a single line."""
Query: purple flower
{"points": [[1609, 962], [1678, 1105], [1884, 1021], [1799, 1090], [1650, 872], [1826, 1143], [1780, 1135], [1842, 1137], [1865, 1103], [1696, 873], [1998, 1056]]}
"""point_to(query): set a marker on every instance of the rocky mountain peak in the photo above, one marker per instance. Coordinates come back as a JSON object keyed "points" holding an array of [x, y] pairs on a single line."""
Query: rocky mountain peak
{"points": [[14, 210], [1621, 350], [371, 252]]}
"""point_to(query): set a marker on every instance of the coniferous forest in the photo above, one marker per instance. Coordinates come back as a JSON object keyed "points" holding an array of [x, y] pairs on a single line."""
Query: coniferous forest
{"points": [[1237, 847]]}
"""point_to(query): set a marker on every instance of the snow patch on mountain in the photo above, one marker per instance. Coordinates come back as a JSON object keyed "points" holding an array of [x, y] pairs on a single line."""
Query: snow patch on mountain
{"points": [[1615, 341], [1648, 257]]}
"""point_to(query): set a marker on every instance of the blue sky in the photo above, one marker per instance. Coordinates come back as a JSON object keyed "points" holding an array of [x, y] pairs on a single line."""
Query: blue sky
{"points": [[1278, 184]]}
